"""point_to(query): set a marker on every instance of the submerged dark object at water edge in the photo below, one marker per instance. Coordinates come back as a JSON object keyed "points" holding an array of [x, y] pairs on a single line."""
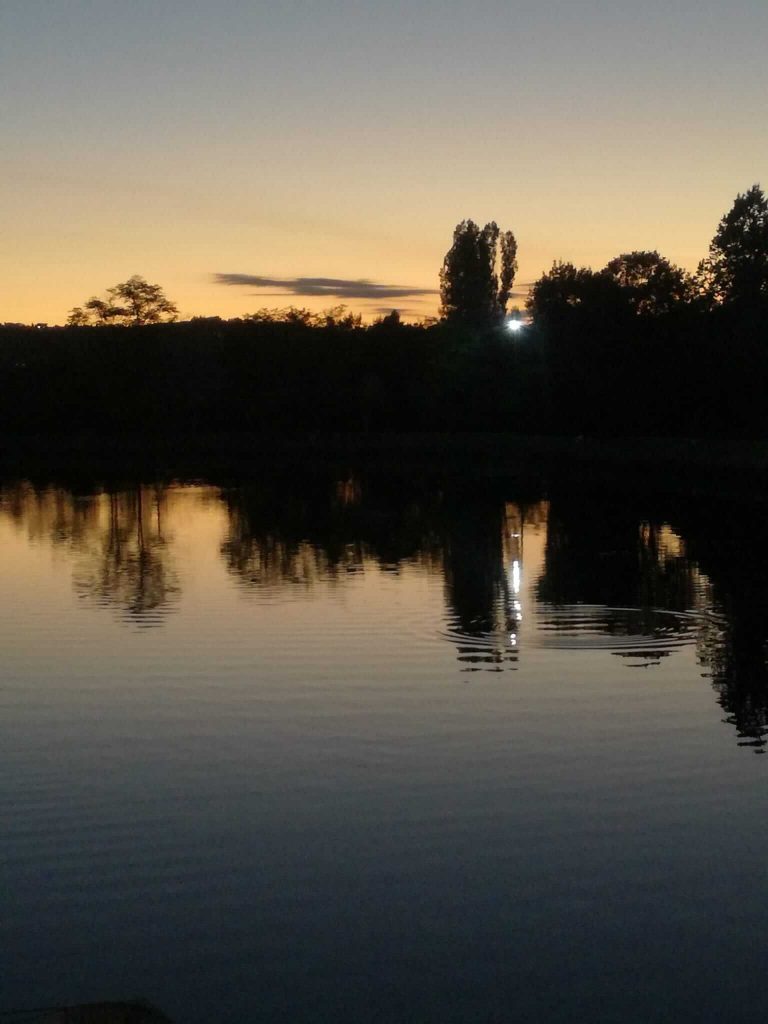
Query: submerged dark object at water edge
{"points": [[136, 1012]]}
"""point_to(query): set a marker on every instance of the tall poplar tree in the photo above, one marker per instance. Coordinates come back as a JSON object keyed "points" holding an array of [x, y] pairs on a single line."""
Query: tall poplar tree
{"points": [[477, 274]]}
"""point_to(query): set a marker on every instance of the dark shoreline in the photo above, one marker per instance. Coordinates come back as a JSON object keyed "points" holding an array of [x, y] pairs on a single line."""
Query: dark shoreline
{"points": [[680, 465]]}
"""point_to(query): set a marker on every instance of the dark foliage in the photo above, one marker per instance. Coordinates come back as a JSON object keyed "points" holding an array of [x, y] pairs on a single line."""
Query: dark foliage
{"points": [[264, 376], [735, 273], [636, 349], [640, 349], [477, 275], [134, 303], [589, 365]]}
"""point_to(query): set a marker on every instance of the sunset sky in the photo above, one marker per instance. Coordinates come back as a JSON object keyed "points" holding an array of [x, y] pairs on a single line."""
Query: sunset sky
{"points": [[331, 139]]}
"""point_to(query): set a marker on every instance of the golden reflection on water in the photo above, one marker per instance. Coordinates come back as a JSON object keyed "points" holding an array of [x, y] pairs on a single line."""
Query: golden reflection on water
{"points": [[119, 541], [568, 572], [494, 557]]}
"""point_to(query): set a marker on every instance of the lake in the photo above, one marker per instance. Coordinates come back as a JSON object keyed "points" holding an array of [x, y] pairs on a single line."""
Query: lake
{"points": [[313, 747]]}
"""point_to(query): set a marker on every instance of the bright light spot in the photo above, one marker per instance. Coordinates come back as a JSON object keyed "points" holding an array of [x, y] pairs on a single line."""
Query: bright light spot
{"points": [[515, 325], [513, 639], [516, 578]]}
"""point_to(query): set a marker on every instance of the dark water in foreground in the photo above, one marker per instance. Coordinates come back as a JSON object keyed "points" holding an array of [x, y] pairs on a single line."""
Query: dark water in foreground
{"points": [[344, 750]]}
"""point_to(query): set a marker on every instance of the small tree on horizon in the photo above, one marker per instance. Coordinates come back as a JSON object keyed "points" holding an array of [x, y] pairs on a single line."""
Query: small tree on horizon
{"points": [[132, 303]]}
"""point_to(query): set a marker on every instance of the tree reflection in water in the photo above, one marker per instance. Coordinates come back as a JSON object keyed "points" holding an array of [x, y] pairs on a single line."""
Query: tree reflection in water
{"points": [[617, 576], [484, 557], [675, 556], [602, 552], [127, 564], [118, 538], [301, 533], [730, 544], [630, 570], [304, 533]]}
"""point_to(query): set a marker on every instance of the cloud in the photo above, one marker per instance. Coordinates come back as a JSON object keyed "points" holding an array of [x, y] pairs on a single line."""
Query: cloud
{"points": [[324, 287]]}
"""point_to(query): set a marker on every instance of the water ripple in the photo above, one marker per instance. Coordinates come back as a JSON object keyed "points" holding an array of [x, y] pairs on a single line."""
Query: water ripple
{"points": [[637, 634]]}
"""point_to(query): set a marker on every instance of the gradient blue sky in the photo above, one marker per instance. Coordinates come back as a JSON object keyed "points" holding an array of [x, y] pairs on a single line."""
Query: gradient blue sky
{"points": [[345, 140]]}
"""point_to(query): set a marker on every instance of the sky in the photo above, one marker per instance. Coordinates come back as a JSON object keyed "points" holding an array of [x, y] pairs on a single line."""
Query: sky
{"points": [[315, 144]]}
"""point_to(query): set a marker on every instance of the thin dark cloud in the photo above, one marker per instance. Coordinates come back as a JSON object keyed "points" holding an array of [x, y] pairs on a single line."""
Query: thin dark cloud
{"points": [[323, 287]]}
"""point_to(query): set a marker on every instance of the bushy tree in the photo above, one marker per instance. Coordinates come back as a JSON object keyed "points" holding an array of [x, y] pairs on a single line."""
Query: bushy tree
{"points": [[477, 274], [650, 284], [736, 269], [566, 287], [133, 303], [391, 321]]}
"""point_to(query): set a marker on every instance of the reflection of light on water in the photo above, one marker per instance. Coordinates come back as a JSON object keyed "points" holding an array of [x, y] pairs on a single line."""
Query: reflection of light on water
{"points": [[491, 640], [515, 578]]}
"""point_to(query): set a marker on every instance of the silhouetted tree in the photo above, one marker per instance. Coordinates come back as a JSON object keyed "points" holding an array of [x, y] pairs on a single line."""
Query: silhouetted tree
{"points": [[299, 316], [566, 287], [649, 282], [736, 269], [340, 316], [391, 320], [477, 274], [507, 268], [78, 317], [134, 302]]}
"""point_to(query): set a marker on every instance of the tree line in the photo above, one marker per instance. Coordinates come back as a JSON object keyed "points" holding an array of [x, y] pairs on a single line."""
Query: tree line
{"points": [[640, 347], [479, 269]]}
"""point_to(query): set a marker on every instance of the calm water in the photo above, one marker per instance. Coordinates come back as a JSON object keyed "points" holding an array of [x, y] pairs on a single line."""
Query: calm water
{"points": [[348, 750]]}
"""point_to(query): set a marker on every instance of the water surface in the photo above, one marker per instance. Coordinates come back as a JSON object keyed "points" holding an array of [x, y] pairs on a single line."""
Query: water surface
{"points": [[344, 749]]}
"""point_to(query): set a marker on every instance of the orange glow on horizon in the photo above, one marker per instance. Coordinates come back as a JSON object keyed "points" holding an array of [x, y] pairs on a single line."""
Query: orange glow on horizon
{"points": [[177, 147]]}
